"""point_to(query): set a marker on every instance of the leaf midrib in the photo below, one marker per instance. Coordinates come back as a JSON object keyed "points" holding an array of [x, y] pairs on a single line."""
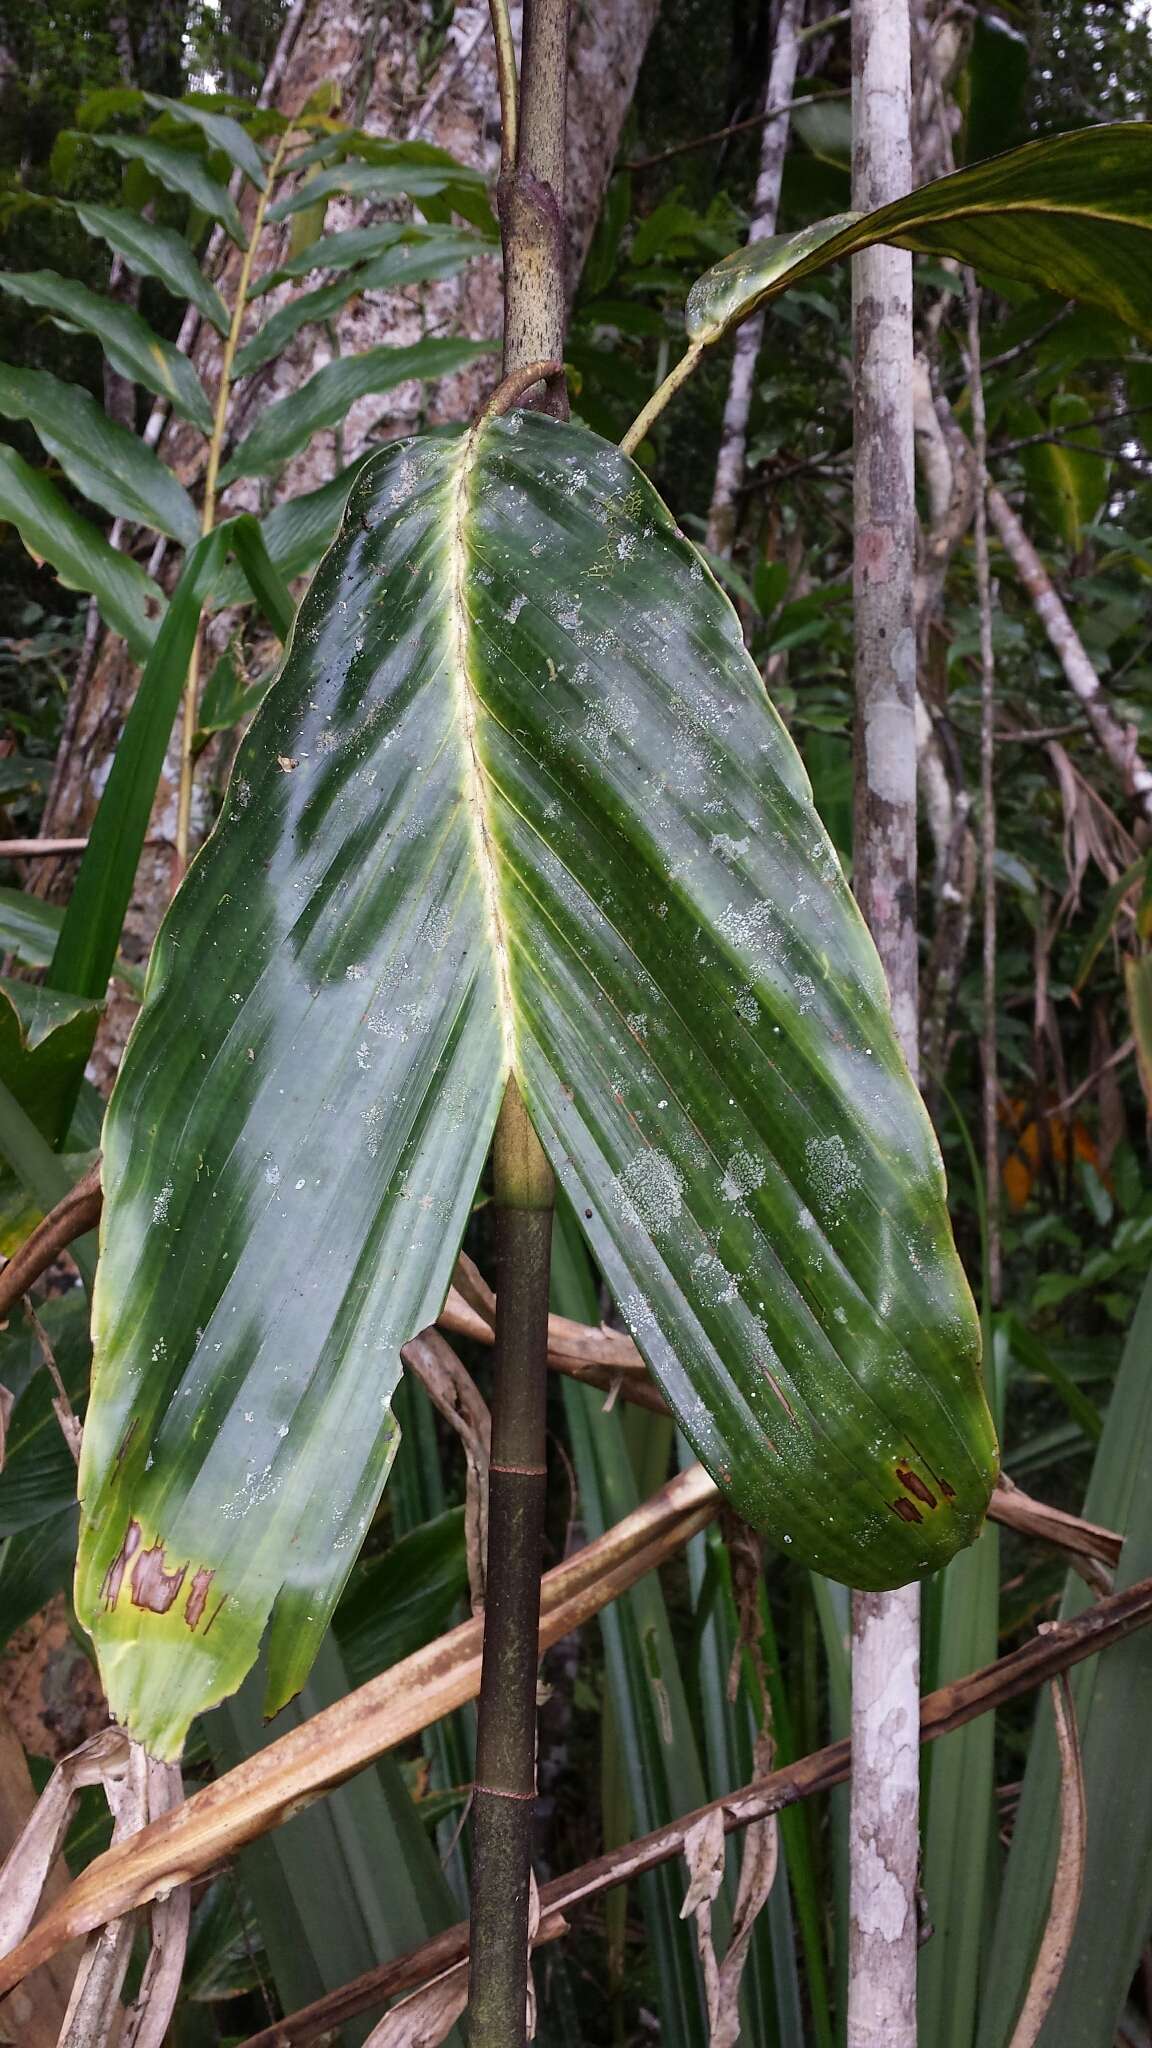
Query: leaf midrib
{"points": [[474, 779]]}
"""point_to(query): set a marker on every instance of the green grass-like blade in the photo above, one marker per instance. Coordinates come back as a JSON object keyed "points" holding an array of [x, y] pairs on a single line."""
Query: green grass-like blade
{"points": [[1111, 1696], [130, 602]]}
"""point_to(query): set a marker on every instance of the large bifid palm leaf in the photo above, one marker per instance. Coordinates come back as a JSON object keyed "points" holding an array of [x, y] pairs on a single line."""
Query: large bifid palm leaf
{"points": [[518, 804]]}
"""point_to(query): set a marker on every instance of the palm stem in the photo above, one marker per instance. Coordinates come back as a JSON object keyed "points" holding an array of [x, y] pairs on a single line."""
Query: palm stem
{"points": [[505, 1785]]}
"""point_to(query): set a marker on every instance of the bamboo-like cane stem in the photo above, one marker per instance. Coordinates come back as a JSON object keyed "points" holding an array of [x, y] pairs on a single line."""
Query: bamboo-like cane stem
{"points": [[505, 1786]]}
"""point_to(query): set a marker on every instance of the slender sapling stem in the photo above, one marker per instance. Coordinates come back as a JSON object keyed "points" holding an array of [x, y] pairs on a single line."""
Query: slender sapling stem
{"points": [[505, 1786]]}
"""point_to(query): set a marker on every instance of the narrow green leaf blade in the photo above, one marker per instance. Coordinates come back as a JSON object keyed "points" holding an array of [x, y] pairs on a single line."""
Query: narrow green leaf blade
{"points": [[38, 1482], [28, 926], [1111, 1698], [131, 603], [41, 1170], [157, 252], [129, 343], [180, 171], [45, 1040], [353, 1880], [287, 321], [517, 802], [1071, 213], [107, 463], [397, 1602], [262, 575], [349, 246], [286, 427], [408, 263], [401, 177], [221, 131]]}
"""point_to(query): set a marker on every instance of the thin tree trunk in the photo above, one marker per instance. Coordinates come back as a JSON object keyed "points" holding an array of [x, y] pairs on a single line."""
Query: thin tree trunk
{"points": [[721, 528], [884, 1834]]}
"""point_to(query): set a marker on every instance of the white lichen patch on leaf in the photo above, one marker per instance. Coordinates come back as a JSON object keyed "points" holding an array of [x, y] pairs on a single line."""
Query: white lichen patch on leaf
{"points": [[833, 1174], [650, 1191], [742, 1176]]}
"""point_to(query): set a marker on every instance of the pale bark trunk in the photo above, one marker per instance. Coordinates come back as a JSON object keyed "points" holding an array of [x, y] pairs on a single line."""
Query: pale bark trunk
{"points": [[722, 512], [884, 1835], [456, 107]]}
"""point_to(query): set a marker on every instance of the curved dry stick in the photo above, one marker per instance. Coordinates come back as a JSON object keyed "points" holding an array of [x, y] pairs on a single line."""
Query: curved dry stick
{"points": [[73, 1217], [1068, 1882]]}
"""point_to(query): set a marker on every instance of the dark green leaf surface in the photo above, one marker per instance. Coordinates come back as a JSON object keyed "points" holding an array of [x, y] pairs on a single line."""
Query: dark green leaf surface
{"points": [[180, 171], [38, 1482], [406, 264], [297, 531], [1069, 485], [349, 246], [35, 1565], [156, 252], [397, 1602], [220, 131], [129, 343], [286, 427], [287, 320], [28, 926], [339, 251], [230, 694], [402, 177], [19, 774], [45, 1040], [1072, 213], [1111, 1699], [516, 801], [107, 463], [353, 1880], [130, 602]]}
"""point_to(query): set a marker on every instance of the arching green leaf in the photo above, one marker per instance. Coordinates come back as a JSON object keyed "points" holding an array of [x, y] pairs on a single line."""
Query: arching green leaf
{"points": [[1072, 213], [286, 427], [130, 345], [302, 311], [28, 926], [297, 531], [181, 171], [45, 1039], [154, 252], [1069, 484], [400, 176], [349, 246], [131, 603], [517, 803], [403, 265], [107, 463], [220, 131]]}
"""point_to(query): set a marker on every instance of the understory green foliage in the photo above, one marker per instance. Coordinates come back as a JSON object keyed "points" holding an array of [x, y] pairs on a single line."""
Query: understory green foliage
{"points": [[527, 794]]}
